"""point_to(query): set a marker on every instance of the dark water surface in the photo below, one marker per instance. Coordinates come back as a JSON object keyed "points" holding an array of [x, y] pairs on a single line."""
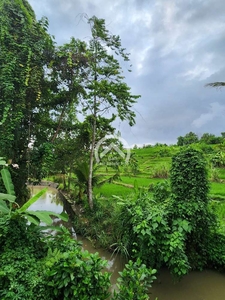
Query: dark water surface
{"points": [[206, 285]]}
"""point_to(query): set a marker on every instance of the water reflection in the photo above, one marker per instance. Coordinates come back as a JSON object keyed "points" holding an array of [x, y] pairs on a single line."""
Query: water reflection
{"points": [[49, 201]]}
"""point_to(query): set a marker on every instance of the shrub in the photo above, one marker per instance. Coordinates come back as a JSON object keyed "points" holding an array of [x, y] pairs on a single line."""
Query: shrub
{"points": [[75, 274], [153, 235], [134, 281]]}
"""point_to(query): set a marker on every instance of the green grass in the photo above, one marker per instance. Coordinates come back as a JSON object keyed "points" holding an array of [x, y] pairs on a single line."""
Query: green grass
{"points": [[221, 173], [109, 189], [219, 208], [217, 189], [141, 182], [151, 159]]}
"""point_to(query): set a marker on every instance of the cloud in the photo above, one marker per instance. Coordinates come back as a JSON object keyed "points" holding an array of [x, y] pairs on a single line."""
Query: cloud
{"points": [[176, 48], [216, 110]]}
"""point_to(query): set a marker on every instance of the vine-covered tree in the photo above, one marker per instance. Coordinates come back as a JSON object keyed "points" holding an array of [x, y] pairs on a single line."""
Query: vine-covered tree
{"points": [[190, 187], [24, 50]]}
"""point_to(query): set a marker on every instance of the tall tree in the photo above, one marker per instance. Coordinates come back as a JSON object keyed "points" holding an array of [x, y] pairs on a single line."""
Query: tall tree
{"points": [[105, 89], [24, 50]]}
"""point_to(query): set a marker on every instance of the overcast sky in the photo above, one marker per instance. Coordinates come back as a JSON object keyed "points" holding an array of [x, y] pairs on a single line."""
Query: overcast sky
{"points": [[176, 46]]}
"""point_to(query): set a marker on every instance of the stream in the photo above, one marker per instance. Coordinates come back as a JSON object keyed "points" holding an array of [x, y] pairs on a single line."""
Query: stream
{"points": [[205, 285]]}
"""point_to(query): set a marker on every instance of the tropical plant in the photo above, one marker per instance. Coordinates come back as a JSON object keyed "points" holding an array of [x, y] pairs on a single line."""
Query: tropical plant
{"points": [[153, 236], [160, 172], [214, 175]]}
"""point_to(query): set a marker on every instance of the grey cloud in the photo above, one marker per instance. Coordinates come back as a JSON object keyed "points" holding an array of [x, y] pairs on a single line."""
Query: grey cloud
{"points": [[176, 48], [216, 110]]}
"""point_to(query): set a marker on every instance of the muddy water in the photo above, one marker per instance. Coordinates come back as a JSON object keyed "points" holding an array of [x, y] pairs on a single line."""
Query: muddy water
{"points": [[206, 285]]}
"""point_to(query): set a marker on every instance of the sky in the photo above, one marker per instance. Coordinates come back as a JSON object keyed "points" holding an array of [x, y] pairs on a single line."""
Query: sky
{"points": [[176, 47]]}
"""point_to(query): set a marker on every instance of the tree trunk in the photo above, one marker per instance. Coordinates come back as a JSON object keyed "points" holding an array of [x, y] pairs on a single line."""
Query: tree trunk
{"points": [[59, 124], [91, 163]]}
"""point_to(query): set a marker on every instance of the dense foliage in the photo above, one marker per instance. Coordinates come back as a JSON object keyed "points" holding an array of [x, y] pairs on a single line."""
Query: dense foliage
{"points": [[25, 47], [42, 88], [206, 138], [38, 265], [175, 228]]}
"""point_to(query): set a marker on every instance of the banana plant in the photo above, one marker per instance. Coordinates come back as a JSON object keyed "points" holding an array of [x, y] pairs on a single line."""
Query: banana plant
{"points": [[10, 208]]}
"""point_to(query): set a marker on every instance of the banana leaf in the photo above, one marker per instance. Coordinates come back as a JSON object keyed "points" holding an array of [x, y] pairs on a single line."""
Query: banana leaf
{"points": [[45, 216], [10, 198], [32, 200], [6, 177], [3, 208]]}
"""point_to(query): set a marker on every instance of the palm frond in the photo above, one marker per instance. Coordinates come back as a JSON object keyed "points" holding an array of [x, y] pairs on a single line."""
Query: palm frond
{"points": [[216, 84]]}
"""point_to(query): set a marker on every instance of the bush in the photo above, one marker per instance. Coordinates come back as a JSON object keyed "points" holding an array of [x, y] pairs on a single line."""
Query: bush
{"points": [[134, 282], [153, 235], [21, 254], [75, 274]]}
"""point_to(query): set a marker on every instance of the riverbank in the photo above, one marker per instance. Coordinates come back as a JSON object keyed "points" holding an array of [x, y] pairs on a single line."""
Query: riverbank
{"points": [[205, 285]]}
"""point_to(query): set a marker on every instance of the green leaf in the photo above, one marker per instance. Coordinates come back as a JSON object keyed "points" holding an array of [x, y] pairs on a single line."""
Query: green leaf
{"points": [[33, 219], [43, 216], [3, 207], [2, 162], [6, 177], [8, 197], [63, 216], [32, 200]]}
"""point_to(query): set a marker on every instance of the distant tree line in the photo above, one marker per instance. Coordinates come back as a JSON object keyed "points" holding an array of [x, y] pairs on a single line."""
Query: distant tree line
{"points": [[206, 138], [192, 138]]}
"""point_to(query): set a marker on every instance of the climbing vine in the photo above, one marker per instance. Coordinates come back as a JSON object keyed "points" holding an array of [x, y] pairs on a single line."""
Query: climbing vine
{"points": [[24, 45]]}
